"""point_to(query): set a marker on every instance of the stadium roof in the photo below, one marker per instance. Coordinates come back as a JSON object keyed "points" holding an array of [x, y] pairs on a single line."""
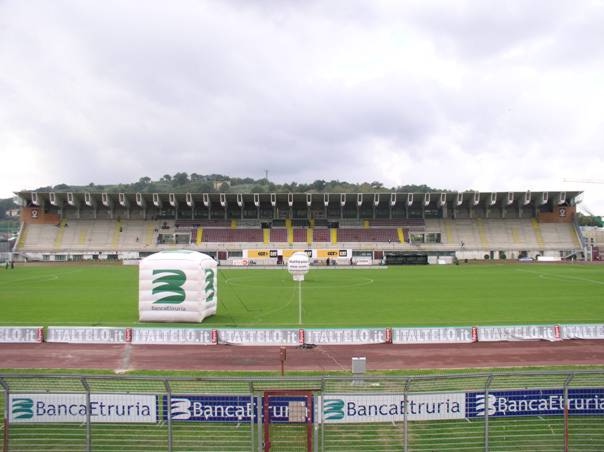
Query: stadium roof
{"points": [[425, 199]]}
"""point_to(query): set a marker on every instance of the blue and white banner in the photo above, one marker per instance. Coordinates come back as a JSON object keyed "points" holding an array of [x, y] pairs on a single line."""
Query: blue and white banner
{"points": [[348, 408], [230, 408], [542, 402], [119, 408]]}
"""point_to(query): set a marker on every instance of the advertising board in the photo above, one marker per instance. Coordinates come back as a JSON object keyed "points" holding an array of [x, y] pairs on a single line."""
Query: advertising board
{"points": [[343, 336], [115, 408], [435, 335], [227, 408], [242, 336], [350, 408], [87, 335], [543, 402], [179, 336], [21, 334]]}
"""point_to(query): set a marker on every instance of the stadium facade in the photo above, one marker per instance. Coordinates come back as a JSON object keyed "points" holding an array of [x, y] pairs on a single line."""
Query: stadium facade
{"points": [[266, 228]]}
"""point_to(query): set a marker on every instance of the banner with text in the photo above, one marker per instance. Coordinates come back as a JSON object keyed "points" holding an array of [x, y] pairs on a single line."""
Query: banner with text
{"points": [[587, 331], [347, 408], [121, 408], [259, 336], [233, 408], [518, 333], [87, 335], [21, 334], [176, 336], [541, 402], [435, 335], [346, 336]]}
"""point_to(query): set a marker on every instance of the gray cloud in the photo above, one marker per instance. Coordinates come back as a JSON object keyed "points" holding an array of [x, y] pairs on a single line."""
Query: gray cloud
{"points": [[455, 95]]}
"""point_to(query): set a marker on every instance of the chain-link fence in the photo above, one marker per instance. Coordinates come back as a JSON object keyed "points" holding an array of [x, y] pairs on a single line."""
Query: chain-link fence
{"points": [[462, 412]]}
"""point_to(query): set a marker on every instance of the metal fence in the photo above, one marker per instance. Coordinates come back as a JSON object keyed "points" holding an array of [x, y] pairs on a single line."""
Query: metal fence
{"points": [[516, 411]]}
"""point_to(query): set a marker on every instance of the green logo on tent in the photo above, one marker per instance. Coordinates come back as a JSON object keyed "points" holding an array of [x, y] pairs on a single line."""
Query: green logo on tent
{"points": [[169, 282], [209, 285], [22, 408], [333, 409]]}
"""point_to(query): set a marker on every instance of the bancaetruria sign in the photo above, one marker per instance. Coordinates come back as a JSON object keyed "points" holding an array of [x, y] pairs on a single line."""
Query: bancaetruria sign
{"points": [[177, 286], [346, 408], [114, 408]]}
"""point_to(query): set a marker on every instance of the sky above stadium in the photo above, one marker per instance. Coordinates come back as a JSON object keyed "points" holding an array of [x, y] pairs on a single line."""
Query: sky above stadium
{"points": [[490, 96]]}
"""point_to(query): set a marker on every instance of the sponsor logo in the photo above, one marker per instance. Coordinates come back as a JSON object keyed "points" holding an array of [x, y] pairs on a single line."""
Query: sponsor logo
{"points": [[333, 409], [180, 409], [22, 408], [209, 285], [343, 253], [481, 406], [169, 282]]}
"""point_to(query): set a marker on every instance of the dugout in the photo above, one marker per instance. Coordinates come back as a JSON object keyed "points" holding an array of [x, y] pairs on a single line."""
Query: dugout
{"points": [[402, 258]]}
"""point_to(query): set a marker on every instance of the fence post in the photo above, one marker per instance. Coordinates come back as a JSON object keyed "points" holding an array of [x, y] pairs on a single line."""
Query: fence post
{"points": [[566, 404], [6, 414], [252, 415], [88, 409], [319, 419], [405, 412], [168, 411], [486, 412]]}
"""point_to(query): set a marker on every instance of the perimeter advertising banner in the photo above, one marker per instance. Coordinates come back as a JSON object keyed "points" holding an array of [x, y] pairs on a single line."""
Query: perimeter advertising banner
{"points": [[586, 331], [120, 408], [345, 336], [286, 253], [350, 408], [242, 336], [177, 336], [87, 335], [436, 335], [544, 402], [230, 408], [177, 286], [518, 333], [21, 334]]}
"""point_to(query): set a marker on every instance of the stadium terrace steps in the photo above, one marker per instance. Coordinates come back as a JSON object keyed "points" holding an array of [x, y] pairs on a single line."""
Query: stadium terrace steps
{"points": [[105, 235]]}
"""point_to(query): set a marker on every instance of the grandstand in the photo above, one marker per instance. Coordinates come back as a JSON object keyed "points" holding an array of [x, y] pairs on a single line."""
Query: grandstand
{"points": [[264, 227]]}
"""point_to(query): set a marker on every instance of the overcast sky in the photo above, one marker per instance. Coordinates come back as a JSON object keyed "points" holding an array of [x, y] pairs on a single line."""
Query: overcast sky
{"points": [[484, 95]]}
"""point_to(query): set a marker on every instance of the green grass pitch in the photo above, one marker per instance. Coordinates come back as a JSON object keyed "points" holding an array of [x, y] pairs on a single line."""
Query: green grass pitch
{"points": [[436, 295]]}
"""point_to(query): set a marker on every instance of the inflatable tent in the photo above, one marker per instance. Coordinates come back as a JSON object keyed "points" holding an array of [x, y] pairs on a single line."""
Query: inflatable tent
{"points": [[177, 286]]}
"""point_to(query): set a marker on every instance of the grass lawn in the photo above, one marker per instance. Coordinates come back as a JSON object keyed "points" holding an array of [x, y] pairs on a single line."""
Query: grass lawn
{"points": [[436, 295]]}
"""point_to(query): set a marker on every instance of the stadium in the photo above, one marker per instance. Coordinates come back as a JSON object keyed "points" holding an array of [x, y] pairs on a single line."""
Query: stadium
{"points": [[413, 330], [243, 227]]}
